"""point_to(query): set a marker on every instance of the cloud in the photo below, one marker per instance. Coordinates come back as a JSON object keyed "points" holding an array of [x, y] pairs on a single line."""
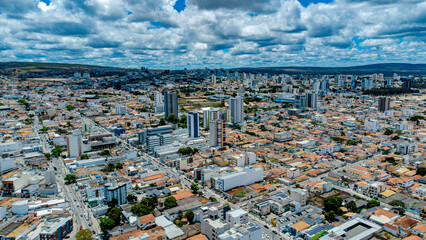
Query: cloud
{"points": [[222, 33]]}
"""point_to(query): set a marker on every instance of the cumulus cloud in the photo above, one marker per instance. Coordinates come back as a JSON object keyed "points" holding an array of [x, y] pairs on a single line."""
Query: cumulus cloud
{"points": [[221, 33]]}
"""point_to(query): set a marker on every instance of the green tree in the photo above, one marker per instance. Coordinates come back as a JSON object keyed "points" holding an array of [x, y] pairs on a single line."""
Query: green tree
{"points": [[170, 202], [172, 118], [70, 107], [113, 202], [330, 216], [190, 216], [70, 178], [44, 129], [115, 214], [105, 153], [332, 204], [84, 234], [373, 203], [162, 122], [106, 224], [212, 199], [421, 171], [397, 203], [388, 131], [84, 156], [194, 187], [351, 206], [119, 165], [57, 151], [48, 156], [131, 198]]}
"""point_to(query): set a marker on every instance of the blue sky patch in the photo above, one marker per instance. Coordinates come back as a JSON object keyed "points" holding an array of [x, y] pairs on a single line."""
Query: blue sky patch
{"points": [[305, 3], [179, 5]]}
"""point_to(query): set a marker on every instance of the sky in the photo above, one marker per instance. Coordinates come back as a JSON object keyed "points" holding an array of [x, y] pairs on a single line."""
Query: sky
{"points": [[177, 34]]}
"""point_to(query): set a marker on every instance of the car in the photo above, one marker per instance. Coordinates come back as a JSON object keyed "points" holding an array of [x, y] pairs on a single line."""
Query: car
{"points": [[274, 232], [266, 226]]}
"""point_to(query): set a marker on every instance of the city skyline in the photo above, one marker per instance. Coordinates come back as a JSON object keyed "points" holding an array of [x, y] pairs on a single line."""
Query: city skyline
{"points": [[170, 34]]}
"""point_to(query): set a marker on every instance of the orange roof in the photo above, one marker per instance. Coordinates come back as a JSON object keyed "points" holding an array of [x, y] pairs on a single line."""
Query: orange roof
{"points": [[412, 237], [198, 237], [154, 177], [146, 219], [126, 236], [182, 195]]}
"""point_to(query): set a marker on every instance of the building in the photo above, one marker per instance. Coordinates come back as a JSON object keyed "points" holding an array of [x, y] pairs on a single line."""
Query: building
{"points": [[193, 124], [74, 143], [236, 105], [383, 104], [248, 231], [120, 109], [217, 133], [232, 180], [237, 216], [282, 136], [6, 164], [117, 191], [406, 148], [299, 195], [356, 229], [209, 114], [156, 137], [311, 100], [170, 103], [56, 229], [49, 177], [213, 79], [213, 228], [300, 101], [158, 102]]}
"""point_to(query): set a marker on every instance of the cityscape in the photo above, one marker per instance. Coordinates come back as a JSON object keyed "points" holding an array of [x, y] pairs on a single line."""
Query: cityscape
{"points": [[290, 135]]}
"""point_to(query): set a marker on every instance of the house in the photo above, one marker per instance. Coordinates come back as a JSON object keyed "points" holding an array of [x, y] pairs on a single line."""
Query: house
{"points": [[146, 222]]}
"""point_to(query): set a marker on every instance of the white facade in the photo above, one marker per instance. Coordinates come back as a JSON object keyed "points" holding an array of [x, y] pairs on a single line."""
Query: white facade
{"points": [[236, 105], [244, 177], [249, 231], [299, 195], [20, 208], [237, 216], [6, 164], [9, 146], [74, 143], [217, 133], [49, 177], [120, 109]]}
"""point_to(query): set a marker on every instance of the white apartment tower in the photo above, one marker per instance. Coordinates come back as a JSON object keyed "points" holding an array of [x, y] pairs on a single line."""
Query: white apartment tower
{"points": [[236, 105]]}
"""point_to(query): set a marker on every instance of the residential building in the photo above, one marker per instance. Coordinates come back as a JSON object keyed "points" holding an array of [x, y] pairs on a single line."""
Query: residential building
{"points": [[232, 180], [299, 195], [383, 104], [74, 145], [217, 133], [120, 109], [116, 190], [236, 105], [193, 124], [56, 229], [170, 103]]}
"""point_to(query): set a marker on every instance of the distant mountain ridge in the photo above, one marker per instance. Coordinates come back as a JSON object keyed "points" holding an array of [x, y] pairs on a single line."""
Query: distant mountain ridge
{"points": [[386, 68]]}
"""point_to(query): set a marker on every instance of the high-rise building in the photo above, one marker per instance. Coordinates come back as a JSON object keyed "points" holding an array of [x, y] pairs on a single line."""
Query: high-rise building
{"points": [[325, 85], [300, 101], [158, 102], [311, 100], [209, 113], [213, 78], [74, 143], [366, 83], [217, 133], [155, 137], [236, 105], [120, 109], [193, 124], [117, 191], [384, 103], [170, 103]]}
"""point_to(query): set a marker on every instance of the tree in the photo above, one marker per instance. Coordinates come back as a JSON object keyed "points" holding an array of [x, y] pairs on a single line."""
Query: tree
{"points": [[48, 156], [119, 165], [351, 206], [190, 216], [105, 153], [84, 156], [162, 122], [373, 203], [332, 204], [330, 216], [170, 202], [113, 202], [421, 171], [146, 206], [84, 234], [194, 187], [172, 118], [115, 214], [44, 129], [106, 224], [70, 178], [212, 199], [131, 198], [70, 107], [57, 151], [397, 203], [388, 131]]}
